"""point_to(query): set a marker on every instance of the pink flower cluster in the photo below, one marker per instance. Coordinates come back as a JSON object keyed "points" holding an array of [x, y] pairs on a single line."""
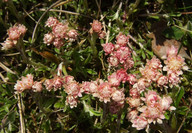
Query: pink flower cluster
{"points": [[119, 53], [27, 83], [105, 91], [121, 76], [14, 34], [60, 31], [99, 88], [96, 27], [55, 83], [152, 72], [146, 110], [174, 65]]}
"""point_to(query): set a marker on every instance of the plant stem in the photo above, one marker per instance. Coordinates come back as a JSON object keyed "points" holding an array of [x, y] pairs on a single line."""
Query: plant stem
{"points": [[185, 116], [118, 122], [22, 121], [133, 8], [64, 70], [104, 112]]}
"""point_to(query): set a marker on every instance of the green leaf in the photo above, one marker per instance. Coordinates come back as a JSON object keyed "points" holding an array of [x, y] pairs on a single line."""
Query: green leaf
{"points": [[189, 28], [166, 116], [48, 103], [58, 105], [174, 122], [143, 54], [180, 94], [90, 110], [174, 32], [92, 72], [182, 110]]}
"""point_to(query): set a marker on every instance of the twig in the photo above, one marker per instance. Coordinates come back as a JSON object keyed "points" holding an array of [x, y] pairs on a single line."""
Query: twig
{"points": [[3, 82], [6, 68], [118, 122], [132, 38], [99, 8], [130, 46], [185, 116], [29, 15], [3, 78], [64, 11], [108, 32], [61, 3], [13, 54], [22, 121]]}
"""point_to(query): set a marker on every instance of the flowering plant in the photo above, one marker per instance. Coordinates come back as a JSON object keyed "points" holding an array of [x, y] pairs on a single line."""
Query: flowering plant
{"points": [[78, 66]]}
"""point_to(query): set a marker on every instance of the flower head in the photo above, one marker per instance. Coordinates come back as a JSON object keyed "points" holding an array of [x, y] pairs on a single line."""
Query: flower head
{"points": [[96, 26], [51, 21], [122, 39]]}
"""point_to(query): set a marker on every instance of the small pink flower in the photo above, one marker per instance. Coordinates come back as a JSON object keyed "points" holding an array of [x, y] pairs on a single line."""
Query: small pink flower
{"points": [[68, 79], [114, 80], [58, 42], [13, 33], [22, 29], [175, 63], [72, 35], [104, 92], [113, 61], [142, 84], [89, 87], [118, 96], [122, 75], [60, 30], [153, 113], [162, 81], [37, 87], [48, 38], [166, 103], [108, 48], [96, 26], [8, 44], [102, 34], [134, 93], [71, 101], [93, 87], [16, 31], [154, 63], [19, 87], [25, 84], [150, 74], [172, 51], [132, 115], [58, 82], [174, 79], [122, 54], [51, 21], [133, 102], [132, 79], [73, 89], [84, 87], [140, 123], [152, 98], [129, 63], [122, 39], [49, 84]]}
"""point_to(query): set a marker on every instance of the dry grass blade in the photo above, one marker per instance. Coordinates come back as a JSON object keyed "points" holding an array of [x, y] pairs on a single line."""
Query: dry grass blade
{"points": [[6, 68]]}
